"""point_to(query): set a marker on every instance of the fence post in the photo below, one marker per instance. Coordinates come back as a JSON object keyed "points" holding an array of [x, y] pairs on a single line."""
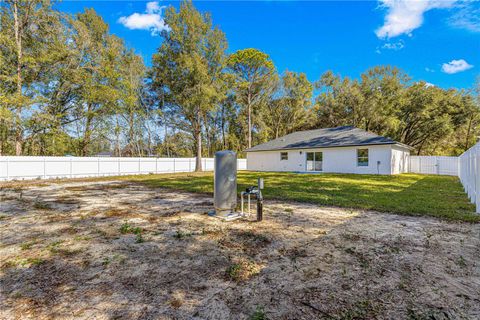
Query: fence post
{"points": [[71, 169], [8, 176], [477, 182], [189, 165], [174, 169], [118, 166], [44, 167], [471, 183], [459, 167], [98, 166]]}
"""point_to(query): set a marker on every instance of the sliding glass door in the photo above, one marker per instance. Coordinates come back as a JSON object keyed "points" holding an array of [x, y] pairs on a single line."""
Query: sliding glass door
{"points": [[314, 161]]}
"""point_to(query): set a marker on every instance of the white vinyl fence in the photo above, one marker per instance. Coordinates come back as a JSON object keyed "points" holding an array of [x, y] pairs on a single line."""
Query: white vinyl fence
{"points": [[20, 168], [466, 167], [434, 165], [469, 173]]}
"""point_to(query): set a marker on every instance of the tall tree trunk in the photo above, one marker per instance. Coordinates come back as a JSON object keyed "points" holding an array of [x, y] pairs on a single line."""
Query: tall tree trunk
{"points": [[249, 107], [207, 136], [367, 125], [420, 148], [224, 141], [198, 141], [149, 139], [354, 122], [131, 134], [88, 132], [117, 137], [3, 136], [165, 140], [18, 41]]}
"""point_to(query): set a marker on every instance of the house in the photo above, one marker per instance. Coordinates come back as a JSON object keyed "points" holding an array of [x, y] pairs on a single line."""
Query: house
{"points": [[342, 149]]}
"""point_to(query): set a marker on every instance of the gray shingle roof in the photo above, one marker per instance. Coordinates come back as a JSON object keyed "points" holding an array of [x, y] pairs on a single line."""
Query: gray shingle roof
{"points": [[325, 138]]}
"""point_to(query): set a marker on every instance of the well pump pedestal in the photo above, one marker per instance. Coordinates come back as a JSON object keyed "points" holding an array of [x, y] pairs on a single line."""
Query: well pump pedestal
{"points": [[225, 185]]}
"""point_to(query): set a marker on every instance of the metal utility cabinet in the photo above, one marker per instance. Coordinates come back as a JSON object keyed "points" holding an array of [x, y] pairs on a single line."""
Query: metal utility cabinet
{"points": [[225, 182]]}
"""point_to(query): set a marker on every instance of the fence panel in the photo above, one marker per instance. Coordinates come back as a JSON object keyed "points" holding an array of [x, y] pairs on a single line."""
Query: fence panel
{"points": [[469, 174], [23, 168], [434, 165]]}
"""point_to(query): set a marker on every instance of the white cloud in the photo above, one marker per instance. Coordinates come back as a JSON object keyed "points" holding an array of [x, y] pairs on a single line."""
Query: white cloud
{"points": [[468, 17], [394, 45], [150, 20], [429, 69], [428, 85], [404, 16], [153, 7], [456, 66]]}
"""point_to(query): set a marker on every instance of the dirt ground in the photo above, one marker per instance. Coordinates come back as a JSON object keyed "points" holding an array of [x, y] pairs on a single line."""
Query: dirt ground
{"points": [[116, 250]]}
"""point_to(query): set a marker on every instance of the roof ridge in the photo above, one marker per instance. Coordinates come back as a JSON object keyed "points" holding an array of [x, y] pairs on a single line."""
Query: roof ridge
{"points": [[318, 129]]}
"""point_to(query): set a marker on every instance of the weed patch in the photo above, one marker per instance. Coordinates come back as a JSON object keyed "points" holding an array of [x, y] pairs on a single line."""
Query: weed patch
{"points": [[179, 234], [28, 245], [461, 262], [259, 314], [54, 246], [31, 262], [242, 270], [126, 228], [42, 206]]}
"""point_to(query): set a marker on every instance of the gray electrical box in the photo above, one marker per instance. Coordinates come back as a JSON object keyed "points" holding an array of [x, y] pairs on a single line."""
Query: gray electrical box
{"points": [[225, 182]]}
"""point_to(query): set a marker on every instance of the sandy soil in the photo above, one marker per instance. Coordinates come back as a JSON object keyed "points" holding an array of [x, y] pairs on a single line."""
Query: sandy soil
{"points": [[114, 250]]}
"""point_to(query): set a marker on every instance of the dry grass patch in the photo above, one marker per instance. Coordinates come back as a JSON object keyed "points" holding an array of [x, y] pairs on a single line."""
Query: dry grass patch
{"points": [[242, 270], [116, 212], [67, 199], [105, 259], [95, 187], [42, 205]]}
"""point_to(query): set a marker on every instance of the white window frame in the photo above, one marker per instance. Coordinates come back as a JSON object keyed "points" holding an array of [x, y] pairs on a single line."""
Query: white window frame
{"points": [[363, 157], [315, 153]]}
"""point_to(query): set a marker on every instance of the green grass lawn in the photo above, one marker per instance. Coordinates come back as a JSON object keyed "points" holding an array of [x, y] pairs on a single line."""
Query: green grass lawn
{"points": [[410, 194]]}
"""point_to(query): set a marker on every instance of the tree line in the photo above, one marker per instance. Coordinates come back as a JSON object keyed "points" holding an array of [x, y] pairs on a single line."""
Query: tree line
{"points": [[71, 87]]}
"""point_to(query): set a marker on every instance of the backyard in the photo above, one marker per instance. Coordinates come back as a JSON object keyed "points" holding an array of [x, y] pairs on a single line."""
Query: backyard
{"points": [[410, 194], [142, 247]]}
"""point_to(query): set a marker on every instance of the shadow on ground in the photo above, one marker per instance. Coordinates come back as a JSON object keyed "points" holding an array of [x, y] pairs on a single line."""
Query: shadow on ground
{"points": [[117, 250]]}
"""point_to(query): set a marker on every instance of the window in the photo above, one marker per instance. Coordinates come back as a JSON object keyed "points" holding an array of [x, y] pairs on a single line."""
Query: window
{"points": [[362, 157], [283, 155], [314, 161]]}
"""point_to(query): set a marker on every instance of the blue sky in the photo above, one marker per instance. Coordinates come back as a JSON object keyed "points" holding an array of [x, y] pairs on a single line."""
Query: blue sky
{"points": [[433, 40]]}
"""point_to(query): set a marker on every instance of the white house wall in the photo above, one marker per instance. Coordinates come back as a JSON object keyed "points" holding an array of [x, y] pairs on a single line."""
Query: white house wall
{"points": [[341, 160], [400, 160]]}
